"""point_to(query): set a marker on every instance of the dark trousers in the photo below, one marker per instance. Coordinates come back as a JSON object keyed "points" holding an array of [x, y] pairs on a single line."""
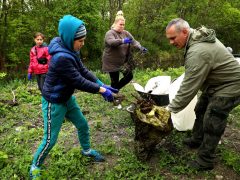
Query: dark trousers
{"points": [[40, 80], [211, 119], [118, 84]]}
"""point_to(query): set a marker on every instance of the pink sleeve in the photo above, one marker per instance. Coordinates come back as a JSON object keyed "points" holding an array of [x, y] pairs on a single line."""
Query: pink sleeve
{"points": [[32, 60]]}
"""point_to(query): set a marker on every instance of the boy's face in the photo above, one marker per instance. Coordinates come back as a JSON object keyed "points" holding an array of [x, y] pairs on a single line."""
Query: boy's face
{"points": [[38, 40], [78, 44]]}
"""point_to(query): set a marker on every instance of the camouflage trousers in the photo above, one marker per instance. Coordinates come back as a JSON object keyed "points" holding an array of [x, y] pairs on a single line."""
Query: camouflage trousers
{"points": [[210, 123]]}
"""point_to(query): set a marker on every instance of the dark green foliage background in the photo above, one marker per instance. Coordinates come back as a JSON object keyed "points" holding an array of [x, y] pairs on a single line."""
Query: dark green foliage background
{"points": [[146, 20]]}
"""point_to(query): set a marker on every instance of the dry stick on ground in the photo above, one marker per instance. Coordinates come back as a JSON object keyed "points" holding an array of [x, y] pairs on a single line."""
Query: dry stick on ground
{"points": [[14, 97], [11, 102], [14, 101]]}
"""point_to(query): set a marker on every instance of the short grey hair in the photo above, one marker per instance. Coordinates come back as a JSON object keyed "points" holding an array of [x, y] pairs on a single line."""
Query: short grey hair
{"points": [[179, 24]]}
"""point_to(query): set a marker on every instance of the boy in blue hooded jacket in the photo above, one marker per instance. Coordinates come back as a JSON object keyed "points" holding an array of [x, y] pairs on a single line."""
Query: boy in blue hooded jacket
{"points": [[67, 73]]}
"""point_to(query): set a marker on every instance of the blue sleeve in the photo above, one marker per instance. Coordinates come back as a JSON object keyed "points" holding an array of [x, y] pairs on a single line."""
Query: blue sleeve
{"points": [[86, 73], [81, 78]]}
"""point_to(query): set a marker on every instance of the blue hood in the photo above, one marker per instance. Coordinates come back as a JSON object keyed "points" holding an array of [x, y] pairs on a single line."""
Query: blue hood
{"points": [[67, 29]]}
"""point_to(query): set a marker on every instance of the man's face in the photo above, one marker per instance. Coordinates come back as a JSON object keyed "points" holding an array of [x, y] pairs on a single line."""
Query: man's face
{"points": [[78, 44], [177, 38]]}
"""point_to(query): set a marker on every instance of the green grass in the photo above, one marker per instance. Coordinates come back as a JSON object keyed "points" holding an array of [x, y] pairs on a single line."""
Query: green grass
{"points": [[112, 133]]}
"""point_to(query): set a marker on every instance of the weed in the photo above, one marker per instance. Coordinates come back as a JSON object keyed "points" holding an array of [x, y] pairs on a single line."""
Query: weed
{"points": [[112, 133]]}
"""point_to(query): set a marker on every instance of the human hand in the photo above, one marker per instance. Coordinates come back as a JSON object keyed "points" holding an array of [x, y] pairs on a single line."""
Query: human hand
{"points": [[144, 50], [107, 95], [110, 88], [127, 40], [29, 76]]}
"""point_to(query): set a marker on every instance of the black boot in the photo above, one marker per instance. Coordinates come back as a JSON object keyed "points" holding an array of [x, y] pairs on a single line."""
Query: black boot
{"points": [[198, 167], [191, 143]]}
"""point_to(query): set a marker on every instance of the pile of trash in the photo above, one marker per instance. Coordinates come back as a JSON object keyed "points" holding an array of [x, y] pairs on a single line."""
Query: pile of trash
{"points": [[162, 90], [152, 121], [152, 124]]}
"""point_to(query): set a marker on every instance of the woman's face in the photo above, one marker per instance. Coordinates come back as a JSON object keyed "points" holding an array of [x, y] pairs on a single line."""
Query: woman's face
{"points": [[38, 40], [78, 44], [119, 25]]}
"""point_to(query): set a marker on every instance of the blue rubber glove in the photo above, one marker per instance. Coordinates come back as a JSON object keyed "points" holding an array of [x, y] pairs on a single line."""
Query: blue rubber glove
{"points": [[144, 50], [107, 95], [110, 88], [127, 40], [29, 76]]}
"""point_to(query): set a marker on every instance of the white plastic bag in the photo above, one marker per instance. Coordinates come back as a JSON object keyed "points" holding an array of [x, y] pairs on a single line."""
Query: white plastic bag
{"points": [[158, 85], [238, 59], [183, 120], [138, 87]]}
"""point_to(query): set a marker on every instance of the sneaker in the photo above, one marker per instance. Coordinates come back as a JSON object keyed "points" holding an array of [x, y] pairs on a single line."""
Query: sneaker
{"points": [[34, 172], [198, 167], [94, 154], [191, 143]]}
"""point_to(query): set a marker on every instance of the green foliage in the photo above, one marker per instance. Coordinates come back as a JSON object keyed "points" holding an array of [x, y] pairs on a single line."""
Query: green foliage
{"points": [[234, 118], [144, 75], [2, 75], [231, 158], [128, 167], [175, 72], [27, 17], [3, 159], [112, 133], [145, 21]]}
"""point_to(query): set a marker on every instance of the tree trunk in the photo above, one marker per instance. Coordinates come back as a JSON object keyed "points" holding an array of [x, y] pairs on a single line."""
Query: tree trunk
{"points": [[114, 6], [3, 34]]}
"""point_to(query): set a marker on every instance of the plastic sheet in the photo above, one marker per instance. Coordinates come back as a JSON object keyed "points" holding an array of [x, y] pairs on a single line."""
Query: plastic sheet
{"points": [[183, 120]]}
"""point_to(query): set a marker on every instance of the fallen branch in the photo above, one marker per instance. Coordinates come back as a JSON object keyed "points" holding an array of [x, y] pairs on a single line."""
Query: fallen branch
{"points": [[12, 102], [14, 97]]}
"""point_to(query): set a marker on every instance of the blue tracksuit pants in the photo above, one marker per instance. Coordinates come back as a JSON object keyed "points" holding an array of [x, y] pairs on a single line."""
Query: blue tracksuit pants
{"points": [[53, 115]]}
